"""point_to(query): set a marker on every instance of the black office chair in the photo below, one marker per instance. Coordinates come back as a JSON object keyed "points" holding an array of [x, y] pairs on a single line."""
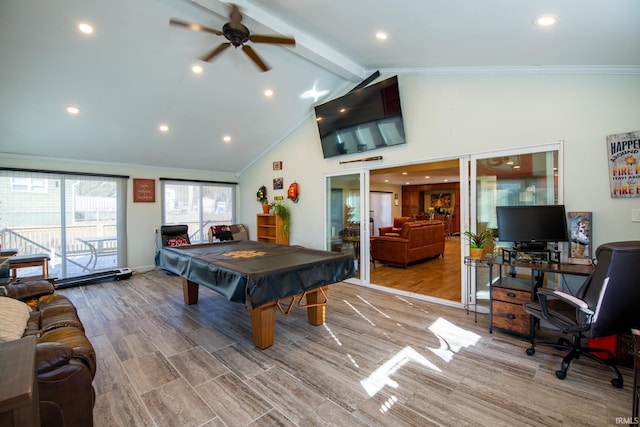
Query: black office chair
{"points": [[607, 303]]}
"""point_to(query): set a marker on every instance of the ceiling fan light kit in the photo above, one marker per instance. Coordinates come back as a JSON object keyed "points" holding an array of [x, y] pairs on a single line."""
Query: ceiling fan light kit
{"points": [[238, 35]]}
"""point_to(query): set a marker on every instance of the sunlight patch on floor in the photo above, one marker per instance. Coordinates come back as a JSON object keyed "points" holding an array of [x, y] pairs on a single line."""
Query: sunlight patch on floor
{"points": [[359, 312], [334, 336], [373, 307], [381, 377], [452, 338]]}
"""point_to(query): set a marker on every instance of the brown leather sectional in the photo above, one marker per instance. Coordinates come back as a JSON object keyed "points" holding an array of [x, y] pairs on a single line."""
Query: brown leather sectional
{"points": [[416, 241], [65, 358], [394, 230]]}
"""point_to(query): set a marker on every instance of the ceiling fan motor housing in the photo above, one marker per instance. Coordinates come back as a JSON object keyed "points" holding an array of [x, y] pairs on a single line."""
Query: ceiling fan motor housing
{"points": [[237, 35]]}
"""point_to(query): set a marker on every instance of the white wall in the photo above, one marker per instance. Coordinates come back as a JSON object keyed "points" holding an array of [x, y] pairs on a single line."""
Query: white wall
{"points": [[142, 218], [451, 115], [445, 116]]}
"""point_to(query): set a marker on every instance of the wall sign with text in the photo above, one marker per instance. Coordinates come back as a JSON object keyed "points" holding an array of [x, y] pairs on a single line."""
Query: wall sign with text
{"points": [[144, 190], [623, 150]]}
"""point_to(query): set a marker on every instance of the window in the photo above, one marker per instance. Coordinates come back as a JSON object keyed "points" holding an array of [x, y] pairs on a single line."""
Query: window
{"points": [[29, 185], [198, 205], [77, 220]]}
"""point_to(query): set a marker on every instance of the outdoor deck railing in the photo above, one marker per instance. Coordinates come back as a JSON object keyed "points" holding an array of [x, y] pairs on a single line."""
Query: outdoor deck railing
{"points": [[48, 240]]}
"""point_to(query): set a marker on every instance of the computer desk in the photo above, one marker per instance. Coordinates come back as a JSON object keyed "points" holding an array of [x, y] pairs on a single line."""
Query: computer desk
{"points": [[507, 294]]}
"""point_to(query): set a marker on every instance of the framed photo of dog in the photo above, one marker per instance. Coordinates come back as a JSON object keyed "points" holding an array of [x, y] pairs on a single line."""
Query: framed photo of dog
{"points": [[580, 236]]}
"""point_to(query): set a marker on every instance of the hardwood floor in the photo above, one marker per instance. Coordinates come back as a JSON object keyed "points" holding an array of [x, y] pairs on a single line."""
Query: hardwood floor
{"points": [[435, 277], [379, 360]]}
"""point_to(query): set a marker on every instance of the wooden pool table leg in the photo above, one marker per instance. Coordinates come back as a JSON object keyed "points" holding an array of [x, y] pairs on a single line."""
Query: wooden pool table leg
{"points": [[263, 324], [189, 291], [316, 313]]}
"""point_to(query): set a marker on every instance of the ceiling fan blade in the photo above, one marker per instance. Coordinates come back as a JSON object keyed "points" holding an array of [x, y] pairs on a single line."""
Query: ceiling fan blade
{"points": [[209, 56], [235, 17], [194, 27], [254, 56], [257, 38]]}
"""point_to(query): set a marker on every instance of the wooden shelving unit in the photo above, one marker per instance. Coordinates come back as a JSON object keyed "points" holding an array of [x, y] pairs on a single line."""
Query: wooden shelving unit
{"points": [[269, 229]]}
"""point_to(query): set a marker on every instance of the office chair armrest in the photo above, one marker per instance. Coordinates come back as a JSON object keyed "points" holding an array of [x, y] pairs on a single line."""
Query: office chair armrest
{"points": [[578, 304]]}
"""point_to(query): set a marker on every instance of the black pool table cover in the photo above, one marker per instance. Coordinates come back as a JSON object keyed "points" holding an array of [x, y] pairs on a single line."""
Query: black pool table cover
{"points": [[264, 271]]}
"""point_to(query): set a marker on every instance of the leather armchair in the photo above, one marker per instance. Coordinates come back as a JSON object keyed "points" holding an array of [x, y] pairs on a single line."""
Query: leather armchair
{"points": [[65, 358], [174, 235], [228, 232]]}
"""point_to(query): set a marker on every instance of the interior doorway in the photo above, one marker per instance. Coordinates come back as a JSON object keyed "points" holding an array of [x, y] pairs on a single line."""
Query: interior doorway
{"points": [[416, 190], [380, 210]]}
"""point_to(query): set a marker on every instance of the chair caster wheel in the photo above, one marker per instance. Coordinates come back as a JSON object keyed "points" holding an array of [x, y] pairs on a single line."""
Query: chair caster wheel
{"points": [[617, 382], [561, 375], [531, 351]]}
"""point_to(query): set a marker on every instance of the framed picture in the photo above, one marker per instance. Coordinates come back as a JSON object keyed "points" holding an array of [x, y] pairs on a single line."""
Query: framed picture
{"points": [[277, 166], [580, 237], [440, 200], [278, 183], [144, 190]]}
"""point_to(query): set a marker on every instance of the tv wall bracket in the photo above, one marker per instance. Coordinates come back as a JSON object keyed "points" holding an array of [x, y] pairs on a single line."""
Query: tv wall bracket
{"points": [[366, 81]]}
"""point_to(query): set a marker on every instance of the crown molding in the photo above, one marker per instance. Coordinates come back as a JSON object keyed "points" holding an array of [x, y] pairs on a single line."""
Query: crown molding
{"points": [[538, 69]]}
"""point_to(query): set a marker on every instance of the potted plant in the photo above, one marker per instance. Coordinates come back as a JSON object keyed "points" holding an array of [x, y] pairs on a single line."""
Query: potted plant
{"points": [[282, 210], [261, 196], [477, 242]]}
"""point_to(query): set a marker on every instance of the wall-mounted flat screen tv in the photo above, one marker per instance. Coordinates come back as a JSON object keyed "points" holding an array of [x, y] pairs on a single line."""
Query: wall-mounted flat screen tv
{"points": [[362, 120], [531, 227]]}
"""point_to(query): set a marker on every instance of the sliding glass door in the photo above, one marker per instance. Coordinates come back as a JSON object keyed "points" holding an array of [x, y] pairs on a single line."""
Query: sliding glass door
{"points": [[77, 220], [529, 176], [347, 227]]}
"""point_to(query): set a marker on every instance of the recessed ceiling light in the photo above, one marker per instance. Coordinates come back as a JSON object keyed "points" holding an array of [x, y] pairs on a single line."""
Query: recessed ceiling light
{"points": [[268, 93], [71, 109], [446, 180], [386, 180], [226, 138], [407, 183], [427, 177], [342, 110], [85, 28], [405, 173], [163, 128], [381, 35], [516, 167], [197, 69], [546, 20]]}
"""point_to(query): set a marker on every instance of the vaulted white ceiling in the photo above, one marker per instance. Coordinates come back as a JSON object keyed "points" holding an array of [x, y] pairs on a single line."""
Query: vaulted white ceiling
{"points": [[134, 72]]}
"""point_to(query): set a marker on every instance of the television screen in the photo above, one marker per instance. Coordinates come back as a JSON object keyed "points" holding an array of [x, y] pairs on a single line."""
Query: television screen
{"points": [[528, 226], [362, 120]]}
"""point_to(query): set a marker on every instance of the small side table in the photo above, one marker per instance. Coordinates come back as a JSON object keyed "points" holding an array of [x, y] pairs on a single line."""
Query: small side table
{"points": [[19, 404], [636, 372], [472, 265]]}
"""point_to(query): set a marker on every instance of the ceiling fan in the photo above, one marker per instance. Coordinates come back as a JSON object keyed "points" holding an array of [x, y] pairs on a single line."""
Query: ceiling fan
{"points": [[238, 35]]}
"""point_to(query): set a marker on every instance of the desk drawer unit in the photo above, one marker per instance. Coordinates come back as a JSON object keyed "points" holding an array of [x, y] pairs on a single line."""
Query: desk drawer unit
{"points": [[508, 313]]}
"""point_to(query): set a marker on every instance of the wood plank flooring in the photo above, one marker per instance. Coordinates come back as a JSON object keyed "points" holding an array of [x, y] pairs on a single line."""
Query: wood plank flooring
{"points": [[379, 360], [436, 277]]}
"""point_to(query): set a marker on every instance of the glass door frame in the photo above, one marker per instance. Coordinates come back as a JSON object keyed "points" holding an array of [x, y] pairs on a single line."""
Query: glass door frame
{"points": [[364, 263], [470, 223]]}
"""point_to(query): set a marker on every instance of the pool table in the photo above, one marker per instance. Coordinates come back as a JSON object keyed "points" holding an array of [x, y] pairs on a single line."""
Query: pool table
{"points": [[261, 276]]}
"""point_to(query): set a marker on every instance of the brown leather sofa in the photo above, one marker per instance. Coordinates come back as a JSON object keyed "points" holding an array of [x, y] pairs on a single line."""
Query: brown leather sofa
{"points": [[394, 230], [418, 240], [65, 358]]}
